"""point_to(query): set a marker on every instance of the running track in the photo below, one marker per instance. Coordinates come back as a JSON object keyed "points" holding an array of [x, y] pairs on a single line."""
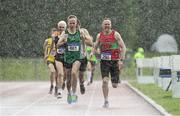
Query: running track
{"points": [[31, 99]]}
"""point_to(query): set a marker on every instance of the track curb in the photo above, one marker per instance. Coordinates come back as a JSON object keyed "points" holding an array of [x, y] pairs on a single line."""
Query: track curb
{"points": [[149, 100]]}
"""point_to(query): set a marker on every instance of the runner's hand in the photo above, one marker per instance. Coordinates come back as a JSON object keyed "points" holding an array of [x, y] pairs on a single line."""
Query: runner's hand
{"points": [[54, 34], [91, 54], [120, 64], [45, 58]]}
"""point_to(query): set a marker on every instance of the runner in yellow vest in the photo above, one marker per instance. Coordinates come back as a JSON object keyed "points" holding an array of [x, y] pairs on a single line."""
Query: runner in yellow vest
{"points": [[49, 57]]}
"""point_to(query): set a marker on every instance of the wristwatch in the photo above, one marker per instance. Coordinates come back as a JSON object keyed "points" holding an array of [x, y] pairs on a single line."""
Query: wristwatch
{"points": [[121, 60]]}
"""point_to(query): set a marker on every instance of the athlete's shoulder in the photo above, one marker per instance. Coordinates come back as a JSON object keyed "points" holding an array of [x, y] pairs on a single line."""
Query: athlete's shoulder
{"points": [[98, 35], [46, 40], [116, 33], [49, 40]]}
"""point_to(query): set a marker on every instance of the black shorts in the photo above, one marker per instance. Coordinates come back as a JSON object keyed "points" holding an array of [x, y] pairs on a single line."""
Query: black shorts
{"points": [[68, 65], [82, 66], [59, 57], [110, 67]]}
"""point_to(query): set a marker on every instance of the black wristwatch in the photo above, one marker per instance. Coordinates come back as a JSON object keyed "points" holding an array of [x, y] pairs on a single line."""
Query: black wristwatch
{"points": [[121, 60]]}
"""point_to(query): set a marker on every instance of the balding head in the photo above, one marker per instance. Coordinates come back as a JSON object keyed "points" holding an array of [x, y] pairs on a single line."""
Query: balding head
{"points": [[106, 24]]}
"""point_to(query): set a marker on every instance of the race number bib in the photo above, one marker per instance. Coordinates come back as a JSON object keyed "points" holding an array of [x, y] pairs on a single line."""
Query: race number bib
{"points": [[53, 53], [61, 50], [105, 56], [73, 47]]}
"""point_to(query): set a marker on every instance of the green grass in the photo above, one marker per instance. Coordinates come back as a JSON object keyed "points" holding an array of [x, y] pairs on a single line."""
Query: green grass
{"points": [[23, 69], [172, 105]]}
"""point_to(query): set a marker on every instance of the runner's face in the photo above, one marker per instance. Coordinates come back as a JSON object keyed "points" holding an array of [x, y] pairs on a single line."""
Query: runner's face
{"points": [[61, 27], [72, 23], [106, 25]]}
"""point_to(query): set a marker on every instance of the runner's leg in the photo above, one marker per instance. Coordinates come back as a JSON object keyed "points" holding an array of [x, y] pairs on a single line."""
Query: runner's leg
{"points": [[74, 74], [52, 76], [59, 66]]}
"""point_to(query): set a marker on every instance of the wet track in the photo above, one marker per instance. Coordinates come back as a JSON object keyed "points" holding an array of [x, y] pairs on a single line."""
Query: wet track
{"points": [[31, 99]]}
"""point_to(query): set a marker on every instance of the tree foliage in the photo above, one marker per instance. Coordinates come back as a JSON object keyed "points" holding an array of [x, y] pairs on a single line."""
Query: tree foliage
{"points": [[25, 24]]}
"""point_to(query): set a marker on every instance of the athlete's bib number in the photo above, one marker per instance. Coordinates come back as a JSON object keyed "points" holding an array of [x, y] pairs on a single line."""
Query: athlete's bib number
{"points": [[73, 47], [60, 51], [106, 56]]}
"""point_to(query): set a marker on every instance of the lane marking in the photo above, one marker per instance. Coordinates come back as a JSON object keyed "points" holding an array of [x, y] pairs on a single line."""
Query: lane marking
{"points": [[91, 100], [30, 105]]}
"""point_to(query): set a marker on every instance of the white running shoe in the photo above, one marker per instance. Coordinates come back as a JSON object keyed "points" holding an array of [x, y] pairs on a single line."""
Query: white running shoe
{"points": [[59, 94], [106, 104]]}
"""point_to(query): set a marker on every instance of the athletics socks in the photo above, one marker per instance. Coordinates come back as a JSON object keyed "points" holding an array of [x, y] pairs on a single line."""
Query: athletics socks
{"points": [[89, 76]]}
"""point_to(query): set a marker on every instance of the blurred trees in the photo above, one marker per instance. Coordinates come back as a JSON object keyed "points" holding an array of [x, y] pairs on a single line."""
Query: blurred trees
{"points": [[156, 17], [25, 24]]}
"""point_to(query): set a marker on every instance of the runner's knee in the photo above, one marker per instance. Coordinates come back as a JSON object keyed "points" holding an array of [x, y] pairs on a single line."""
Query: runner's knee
{"points": [[105, 82], [60, 74], [51, 68], [74, 73]]}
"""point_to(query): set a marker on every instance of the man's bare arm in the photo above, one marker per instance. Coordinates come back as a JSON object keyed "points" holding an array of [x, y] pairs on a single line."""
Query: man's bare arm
{"points": [[121, 44], [62, 39], [86, 36], [45, 47], [45, 44], [96, 45]]}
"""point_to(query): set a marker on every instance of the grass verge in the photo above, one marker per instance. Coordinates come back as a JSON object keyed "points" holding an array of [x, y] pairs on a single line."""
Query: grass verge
{"points": [[23, 69], [163, 98]]}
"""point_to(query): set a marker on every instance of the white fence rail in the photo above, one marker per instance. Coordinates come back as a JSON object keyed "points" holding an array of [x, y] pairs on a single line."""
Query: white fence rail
{"points": [[169, 64], [144, 63]]}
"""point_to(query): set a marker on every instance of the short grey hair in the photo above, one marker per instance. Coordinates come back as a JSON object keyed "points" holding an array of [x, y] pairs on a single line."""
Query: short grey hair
{"points": [[62, 22]]}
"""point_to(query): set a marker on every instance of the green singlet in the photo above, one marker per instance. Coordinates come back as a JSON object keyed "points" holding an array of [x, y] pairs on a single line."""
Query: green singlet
{"points": [[73, 48]]}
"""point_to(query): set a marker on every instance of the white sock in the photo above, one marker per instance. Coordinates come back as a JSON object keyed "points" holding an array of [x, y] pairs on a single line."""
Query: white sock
{"points": [[88, 76], [59, 90], [106, 99]]}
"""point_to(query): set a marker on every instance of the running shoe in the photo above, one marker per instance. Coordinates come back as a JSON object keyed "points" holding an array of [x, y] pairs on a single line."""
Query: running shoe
{"points": [[69, 99], [55, 91], [114, 85], [88, 83], [59, 95], [63, 86], [106, 104], [51, 89], [82, 89], [74, 98]]}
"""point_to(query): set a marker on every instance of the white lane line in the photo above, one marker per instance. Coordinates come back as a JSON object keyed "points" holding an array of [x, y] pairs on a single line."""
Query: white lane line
{"points": [[30, 105], [91, 99]]}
